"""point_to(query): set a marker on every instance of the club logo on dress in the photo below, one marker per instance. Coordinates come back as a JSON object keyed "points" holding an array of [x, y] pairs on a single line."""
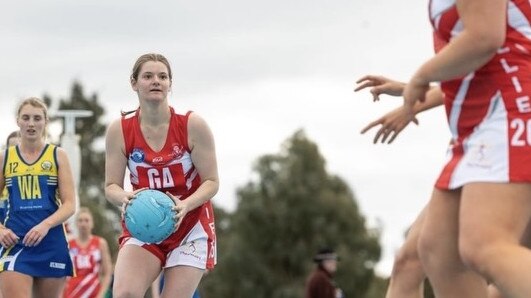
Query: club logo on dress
{"points": [[137, 155], [479, 155], [177, 151], [191, 251], [46, 165]]}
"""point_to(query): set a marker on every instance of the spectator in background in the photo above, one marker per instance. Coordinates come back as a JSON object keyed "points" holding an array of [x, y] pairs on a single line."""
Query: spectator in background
{"points": [[320, 283]]}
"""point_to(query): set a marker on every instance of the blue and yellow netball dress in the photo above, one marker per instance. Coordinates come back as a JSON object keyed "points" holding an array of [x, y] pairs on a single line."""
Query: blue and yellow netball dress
{"points": [[32, 197]]}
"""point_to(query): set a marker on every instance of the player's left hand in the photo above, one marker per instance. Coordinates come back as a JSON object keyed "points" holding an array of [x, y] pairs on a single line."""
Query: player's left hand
{"points": [[181, 209], [36, 234], [391, 124]]}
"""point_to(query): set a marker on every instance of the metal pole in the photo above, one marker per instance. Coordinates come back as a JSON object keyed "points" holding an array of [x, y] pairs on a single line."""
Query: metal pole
{"points": [[70, 143]]}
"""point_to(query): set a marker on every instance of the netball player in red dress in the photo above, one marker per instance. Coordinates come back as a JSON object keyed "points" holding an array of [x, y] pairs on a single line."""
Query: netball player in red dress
{"points": [[173, 153], [407, 277], [92, 260], [480, 206]]}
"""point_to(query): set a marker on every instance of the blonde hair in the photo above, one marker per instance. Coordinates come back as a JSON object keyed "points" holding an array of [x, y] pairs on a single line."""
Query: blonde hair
{"points": [[36, 103], [83, 209]]}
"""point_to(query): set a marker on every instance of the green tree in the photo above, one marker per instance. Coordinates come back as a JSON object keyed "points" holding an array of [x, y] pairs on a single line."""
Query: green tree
{"points": [[292, 208], [90, 191]]}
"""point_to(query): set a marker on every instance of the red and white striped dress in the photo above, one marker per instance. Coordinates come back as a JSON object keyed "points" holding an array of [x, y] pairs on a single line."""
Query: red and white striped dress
{"points": [[87, 263], [488, 110]]}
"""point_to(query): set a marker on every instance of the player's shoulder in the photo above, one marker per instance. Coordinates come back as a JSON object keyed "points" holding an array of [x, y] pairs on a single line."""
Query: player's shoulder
{"points": [[60, 152], [195, 118], [57, 153], [101, 241], [116, 122], [179, 110], [114, 128], [52, 147], [72, 242], [198, 126]]}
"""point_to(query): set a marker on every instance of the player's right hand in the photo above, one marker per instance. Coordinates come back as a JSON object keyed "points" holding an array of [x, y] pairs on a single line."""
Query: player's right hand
{"points": [[380, 85], [128, 197]]}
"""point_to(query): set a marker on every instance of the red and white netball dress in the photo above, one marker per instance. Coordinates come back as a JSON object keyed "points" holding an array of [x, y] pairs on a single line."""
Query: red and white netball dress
{"points": [[87, 263], [488, 110], [171, 170]]}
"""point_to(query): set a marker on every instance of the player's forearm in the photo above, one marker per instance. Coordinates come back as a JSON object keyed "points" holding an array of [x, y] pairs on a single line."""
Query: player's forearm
{"points": [[434, 98], [64, 212], [204, 193], [115, 194]]}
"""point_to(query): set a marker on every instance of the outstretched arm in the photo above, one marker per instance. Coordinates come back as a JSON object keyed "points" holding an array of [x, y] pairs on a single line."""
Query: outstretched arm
{"points": [[393, 122]]}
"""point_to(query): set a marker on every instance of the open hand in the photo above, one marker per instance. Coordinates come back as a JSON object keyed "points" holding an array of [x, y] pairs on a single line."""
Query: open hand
{"points": [[380, 85], [391, 124]]}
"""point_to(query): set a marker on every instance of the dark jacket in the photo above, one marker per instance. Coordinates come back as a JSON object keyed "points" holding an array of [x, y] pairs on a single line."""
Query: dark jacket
{"points": [[320, 285]]}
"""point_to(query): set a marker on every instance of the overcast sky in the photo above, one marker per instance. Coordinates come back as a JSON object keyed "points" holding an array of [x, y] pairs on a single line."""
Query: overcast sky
{"points": [[257, 71]]}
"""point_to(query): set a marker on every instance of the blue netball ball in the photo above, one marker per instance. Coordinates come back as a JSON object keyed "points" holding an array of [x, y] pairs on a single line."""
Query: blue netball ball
{"points": [[149, 216]]}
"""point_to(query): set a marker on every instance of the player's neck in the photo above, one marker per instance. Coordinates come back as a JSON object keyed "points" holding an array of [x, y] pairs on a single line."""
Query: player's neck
{"points": [[154, 116], [30, 151], [83, 239], [32, 147]]}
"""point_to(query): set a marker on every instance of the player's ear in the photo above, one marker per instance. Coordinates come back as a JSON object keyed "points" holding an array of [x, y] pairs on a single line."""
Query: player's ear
{"points": [[133, 84]]}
